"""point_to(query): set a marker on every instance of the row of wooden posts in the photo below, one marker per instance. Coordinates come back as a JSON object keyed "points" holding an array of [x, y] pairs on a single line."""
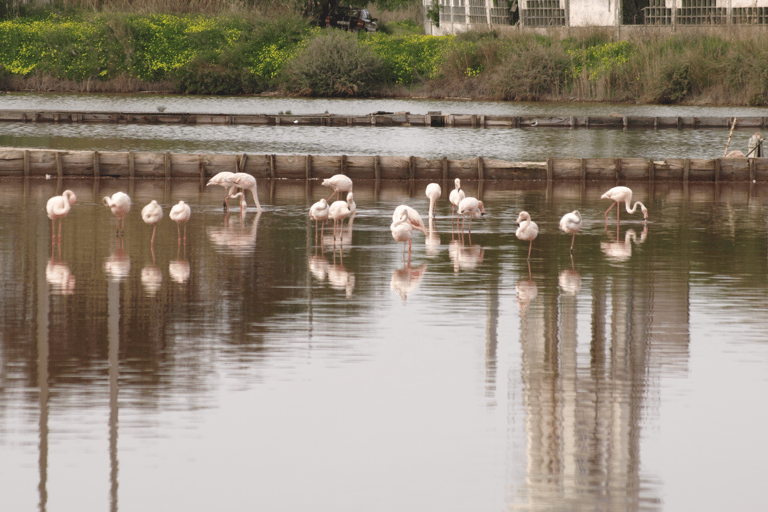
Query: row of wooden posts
{"points": [[101, 164], [436, 119]]}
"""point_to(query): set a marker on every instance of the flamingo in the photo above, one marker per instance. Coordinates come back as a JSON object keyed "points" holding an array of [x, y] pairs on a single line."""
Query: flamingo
{"points": [[339, 183], [120, 204], [401, 231], [456, 196], [247, 182], [471, 206], [619, 194], [571, 224], [58, 207], [411, 215], [151, 214], [339, 210], [433, 193], [527, 231], [180, 214], [319, 213], [224, 179]]}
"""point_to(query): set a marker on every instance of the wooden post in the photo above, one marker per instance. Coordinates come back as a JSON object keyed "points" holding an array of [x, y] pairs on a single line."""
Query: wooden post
{"points": [[96, 166], [480, 169], [651, 169], [751, 170], [201, 167], [167, 165], [343, 165], [241, 165], [26, 163], [474, 121], [376, 168], [686, 169], [583, 169], [59, 165], [411, 170], [717, 170], [445, 168], [550, 168], [272, 165], [349, 121], [131, 165], [617, 165], [482, 121], [308, 167]]}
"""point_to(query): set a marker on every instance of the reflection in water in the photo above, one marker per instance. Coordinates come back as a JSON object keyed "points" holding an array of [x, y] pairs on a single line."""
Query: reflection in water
{"points": [[432, 240], [464, 257], [340, 278], [58, 275], [236, 237], [118, 264], [406, 280], [618, 251], [179, 268], [569, 280]]}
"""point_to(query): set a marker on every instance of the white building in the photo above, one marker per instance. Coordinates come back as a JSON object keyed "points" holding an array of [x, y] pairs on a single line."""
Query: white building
{"points": [[463, 15]]}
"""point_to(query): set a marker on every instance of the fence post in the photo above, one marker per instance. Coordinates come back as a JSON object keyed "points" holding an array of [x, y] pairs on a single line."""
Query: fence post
{"points": [[96, 167]]}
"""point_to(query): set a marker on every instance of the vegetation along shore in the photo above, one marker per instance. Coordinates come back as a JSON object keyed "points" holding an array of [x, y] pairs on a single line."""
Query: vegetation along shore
{"points": [[262, 47]]}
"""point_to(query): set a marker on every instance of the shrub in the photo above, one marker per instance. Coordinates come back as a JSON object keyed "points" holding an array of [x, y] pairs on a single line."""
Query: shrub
{"points": [[532, 73], [334, 63]]}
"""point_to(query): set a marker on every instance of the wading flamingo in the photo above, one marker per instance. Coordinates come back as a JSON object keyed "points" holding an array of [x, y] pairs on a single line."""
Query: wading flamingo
{"points": [[151, 214], [319, 213], [120, 204], [472, 207], [528, 230], [224, 179], [433, 193], [58, 207], [455, 197], [571, 224], [411, 215], [339, 183], [339, 210], [247, 182], [180, 214], [401, 231], [619, 194]]}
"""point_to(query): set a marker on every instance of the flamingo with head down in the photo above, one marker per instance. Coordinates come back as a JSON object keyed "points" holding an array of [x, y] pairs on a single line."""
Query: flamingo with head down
{"points": [[571, 224], [120, 204], [623, 194], [433, 192]]}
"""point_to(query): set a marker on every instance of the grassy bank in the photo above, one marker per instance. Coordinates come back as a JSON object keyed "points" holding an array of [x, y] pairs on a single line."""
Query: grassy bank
{"points": [[251, 51]]}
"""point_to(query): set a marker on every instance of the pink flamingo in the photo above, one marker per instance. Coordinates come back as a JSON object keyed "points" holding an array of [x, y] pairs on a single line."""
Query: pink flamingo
{"points": [[58, 207], [433, 193], [120, 204], [528, 230], [619, 194]]}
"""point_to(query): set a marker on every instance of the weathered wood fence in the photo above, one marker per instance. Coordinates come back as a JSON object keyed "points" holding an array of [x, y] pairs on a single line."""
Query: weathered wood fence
{"points": [[382, 119], [55, 163]]}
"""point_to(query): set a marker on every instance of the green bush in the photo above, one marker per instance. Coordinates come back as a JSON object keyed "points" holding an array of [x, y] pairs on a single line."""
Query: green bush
{"points": [[334, 63]]}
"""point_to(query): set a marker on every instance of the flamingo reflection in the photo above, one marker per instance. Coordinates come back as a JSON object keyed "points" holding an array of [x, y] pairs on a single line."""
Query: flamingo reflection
{"points": [[58, 275], [619, 251], [569, 280], [465, 257], [340, 278], [526, 291], [234, 236], [179, 268], [405, 280], [318, 267], [432, 240], [151, 277], [118, 264]]}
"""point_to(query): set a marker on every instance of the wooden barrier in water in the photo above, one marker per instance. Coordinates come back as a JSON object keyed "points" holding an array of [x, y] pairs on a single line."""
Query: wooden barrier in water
{"points": [[57, 163], [434, 119]]}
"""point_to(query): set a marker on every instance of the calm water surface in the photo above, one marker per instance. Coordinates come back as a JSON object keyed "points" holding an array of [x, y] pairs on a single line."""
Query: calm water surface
{"points": [[251, 368]]}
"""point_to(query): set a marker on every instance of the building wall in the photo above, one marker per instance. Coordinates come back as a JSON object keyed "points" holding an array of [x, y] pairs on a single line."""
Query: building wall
{"points": [[592, 13]]}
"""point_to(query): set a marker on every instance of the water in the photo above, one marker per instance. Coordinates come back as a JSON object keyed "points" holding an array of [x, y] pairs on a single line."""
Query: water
{"points": [[454, 143], [251, 366]]}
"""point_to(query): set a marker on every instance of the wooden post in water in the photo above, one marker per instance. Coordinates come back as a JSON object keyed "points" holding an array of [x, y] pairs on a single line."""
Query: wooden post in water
{"points": [[376, 168], [26, 163], [617, 168], [411, 170], [480, 169], [582, 169], [308, 167], [59, 165], [241, 163], [651, 169], [717, 170], [686, 169], [343, 165], [445, 168], [167, 165], [201, 168], [131, 165], [272, 166], [751, 170], [96, 162], [550, 168]]}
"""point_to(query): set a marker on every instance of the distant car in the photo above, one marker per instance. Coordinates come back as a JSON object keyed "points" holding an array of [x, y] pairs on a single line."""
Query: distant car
{"points": [[347, 17]]}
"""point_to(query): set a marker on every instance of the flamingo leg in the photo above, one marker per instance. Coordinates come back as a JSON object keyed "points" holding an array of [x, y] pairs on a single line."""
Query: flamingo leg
{"points": [[178, 231], [530, 246], [572, 241], [334, 193], [152, 242], [609, 209], [618, 211], [185, 233]]}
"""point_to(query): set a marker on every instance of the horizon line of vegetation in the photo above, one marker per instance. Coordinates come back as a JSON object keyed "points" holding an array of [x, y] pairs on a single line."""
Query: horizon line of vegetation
{"points": [[250, 53]]}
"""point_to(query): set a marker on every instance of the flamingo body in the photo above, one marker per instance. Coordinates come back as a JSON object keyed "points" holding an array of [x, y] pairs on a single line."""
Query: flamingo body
{"points": [[58, 207], [622, 194], [151, 214], [433, 192], [469, 206], [339, 210], [319, 213], [247, 182], [120, 204], [180, 214], [339, 183], [224, 179], [402, 230], [411, 215], [456, 195], [528, 230], [571, 224]]}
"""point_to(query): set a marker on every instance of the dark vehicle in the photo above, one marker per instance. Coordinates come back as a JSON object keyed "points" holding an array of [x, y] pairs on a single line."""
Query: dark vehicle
{"points": [[351, 18]]}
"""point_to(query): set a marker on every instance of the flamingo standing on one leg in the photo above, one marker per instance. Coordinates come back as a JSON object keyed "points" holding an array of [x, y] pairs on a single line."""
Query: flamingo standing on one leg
{"points": [[433, 193], [455, 198], [339, 183], [247, 182], [120, 204], [224, 179], [571, 224], [411, 215], [319, 213], [527, 231], [58, 207], [151, 214], [619, 194], [472, 207], [180, 214], [401, 231]]}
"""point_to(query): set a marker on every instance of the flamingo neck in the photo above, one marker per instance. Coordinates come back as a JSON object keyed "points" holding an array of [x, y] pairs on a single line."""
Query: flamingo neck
{"points": [[431, 208], [633, 207]]}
